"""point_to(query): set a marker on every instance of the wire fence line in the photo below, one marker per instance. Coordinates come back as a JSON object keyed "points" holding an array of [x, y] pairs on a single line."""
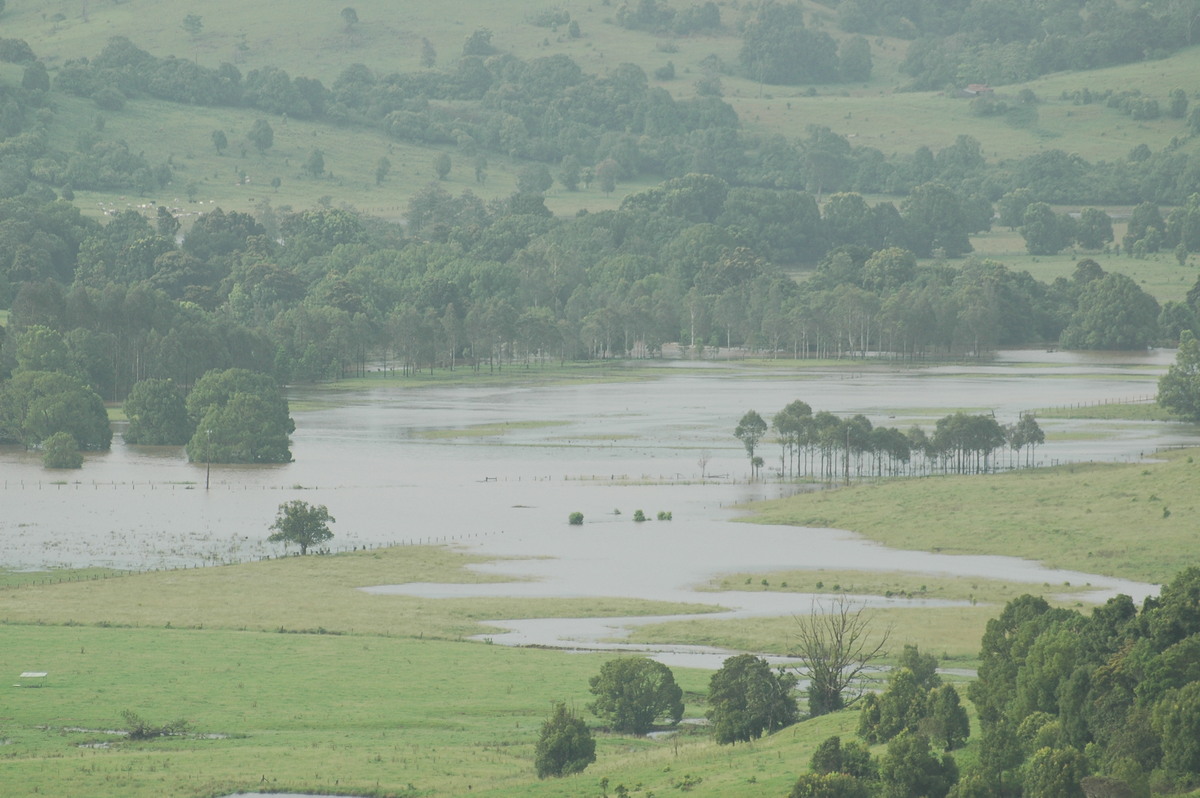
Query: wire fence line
{"points": [[118, 573], [1131, 400]]}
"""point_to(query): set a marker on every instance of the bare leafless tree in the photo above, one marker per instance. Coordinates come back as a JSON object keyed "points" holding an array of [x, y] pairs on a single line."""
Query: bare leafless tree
{"points": [[835, 645]]}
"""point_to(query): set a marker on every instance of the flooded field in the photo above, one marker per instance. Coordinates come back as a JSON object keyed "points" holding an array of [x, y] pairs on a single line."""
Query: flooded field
{"points": [[498, 470]]}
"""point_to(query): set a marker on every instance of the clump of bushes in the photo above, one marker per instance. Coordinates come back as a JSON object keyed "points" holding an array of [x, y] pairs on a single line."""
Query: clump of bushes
{"points": [[138, 728], [61, 451], [639, 516], [664, 515], [575, 519]]}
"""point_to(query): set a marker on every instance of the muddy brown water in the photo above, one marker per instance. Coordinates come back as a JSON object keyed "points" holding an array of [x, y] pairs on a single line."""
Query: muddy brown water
{"points": [[382, 463]]}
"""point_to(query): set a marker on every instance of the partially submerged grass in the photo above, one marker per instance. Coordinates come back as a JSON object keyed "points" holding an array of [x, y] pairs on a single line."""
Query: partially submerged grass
{"points": [[950, 633], [485, 430], [55, 576], [898, 584], [1130, 411], [309, 594], [1134, 521], [525, 375]]}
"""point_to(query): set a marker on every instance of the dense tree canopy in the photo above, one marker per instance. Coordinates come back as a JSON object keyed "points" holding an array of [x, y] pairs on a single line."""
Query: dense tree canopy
{"points": [[565, 745], [632, 693], [1179, 388], [746, 699], [1062, 696], [35, 405], [1113, 313], [239, 416], [778, 48], [61, 451], [157, 415]]}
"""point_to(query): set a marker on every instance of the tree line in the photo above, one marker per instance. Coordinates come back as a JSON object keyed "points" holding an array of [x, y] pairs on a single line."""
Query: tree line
{"points": [[1009, 41], [1068, 704], [327, 293], [823, 446]]}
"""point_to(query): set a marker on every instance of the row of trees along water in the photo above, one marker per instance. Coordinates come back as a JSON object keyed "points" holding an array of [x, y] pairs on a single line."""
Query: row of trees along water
{"points": [[326, 293], [824, 446]]}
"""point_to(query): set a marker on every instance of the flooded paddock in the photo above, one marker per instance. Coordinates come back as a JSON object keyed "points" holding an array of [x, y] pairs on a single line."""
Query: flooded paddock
{"points": [[497, 470]]}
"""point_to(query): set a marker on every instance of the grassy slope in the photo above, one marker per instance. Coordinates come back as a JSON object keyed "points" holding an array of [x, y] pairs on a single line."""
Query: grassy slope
{"points": [[166, 132], [1159, 275], [310, 40]]}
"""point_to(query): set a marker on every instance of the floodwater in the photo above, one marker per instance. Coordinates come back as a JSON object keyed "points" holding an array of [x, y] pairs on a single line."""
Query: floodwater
{"points": [[389, 466]]}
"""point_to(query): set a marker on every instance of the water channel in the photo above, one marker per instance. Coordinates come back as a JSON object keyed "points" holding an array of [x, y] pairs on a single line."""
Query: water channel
{"points": [[496, 469]]}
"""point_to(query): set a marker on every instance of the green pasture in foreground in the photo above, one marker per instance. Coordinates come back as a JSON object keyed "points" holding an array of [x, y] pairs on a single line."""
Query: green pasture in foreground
{"points": [[1136, 521], [360, 715]]}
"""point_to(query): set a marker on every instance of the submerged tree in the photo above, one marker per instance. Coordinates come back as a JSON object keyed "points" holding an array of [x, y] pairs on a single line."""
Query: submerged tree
{"points": [[1026, 433], [239, 416], [61, 451], [157, 414], [1179, 388], [750, 431], [303, 524]]}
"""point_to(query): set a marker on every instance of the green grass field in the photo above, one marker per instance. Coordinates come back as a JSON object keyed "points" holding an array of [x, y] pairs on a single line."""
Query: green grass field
{"points": [[346, 715], [372, 700], [1136, 522], [1159, 275]]}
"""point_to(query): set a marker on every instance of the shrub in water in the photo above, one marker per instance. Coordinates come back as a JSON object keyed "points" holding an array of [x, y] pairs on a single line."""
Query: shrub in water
{"points": [[61, 451], [575, 519]]}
